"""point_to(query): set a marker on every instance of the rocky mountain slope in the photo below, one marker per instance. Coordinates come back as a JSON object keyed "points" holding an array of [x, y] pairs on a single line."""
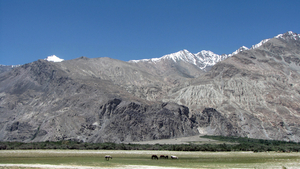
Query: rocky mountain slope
{"points": [[253, 92], [257, 91], [85, 100]]}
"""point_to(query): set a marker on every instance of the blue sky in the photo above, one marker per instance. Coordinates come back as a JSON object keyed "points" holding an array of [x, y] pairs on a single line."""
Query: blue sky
{"points": [[137, 29]]}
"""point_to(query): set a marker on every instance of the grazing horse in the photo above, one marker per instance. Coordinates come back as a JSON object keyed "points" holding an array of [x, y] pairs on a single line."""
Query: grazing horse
{"points": [[107, 157], [164, 156], [155, 157], [174, 157]]}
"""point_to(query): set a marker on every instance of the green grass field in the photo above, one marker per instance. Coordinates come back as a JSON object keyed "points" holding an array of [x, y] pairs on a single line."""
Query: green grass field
{"points": [[121, 158]]}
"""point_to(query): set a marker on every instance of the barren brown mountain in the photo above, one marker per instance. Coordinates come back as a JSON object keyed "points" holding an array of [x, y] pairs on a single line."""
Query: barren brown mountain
{"points": [[254, 93]]}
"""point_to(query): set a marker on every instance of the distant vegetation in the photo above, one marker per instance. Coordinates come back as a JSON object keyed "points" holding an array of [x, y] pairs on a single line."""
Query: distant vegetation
{"points": [[257, 145], [241, 144]]}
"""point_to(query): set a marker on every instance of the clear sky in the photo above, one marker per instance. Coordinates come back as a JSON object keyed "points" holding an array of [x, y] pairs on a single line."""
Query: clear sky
{"points": [[137, 29]]}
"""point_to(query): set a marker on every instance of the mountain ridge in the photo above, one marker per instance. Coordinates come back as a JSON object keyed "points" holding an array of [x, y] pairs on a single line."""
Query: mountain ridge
{"points": [[254, 93], [206, 58], [203, 57]]}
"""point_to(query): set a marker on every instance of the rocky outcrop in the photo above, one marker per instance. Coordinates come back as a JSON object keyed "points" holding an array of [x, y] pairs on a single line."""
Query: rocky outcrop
{"points": [[115, 121]]}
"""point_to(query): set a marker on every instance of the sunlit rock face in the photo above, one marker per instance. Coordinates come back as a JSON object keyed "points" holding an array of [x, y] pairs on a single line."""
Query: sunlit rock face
{"points": [[251, 93], [257, 90]]}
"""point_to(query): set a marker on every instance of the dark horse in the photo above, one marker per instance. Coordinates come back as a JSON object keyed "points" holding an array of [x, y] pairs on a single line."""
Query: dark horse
{"points": [[107, 157], [163, 156], [155, 157]]}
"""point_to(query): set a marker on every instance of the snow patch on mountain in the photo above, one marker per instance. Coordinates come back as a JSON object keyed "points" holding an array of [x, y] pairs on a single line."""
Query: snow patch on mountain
{"points": [[289, 35], [239, 50], [183, 55], [259, 44], [54, 58]]}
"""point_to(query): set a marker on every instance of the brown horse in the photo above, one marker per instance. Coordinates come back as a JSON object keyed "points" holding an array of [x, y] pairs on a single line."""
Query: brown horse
{"points": [[155, 157], [164, 156], [107, 157]]}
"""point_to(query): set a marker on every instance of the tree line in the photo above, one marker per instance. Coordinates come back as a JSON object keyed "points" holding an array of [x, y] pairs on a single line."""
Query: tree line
{"points": [[233, 144]]}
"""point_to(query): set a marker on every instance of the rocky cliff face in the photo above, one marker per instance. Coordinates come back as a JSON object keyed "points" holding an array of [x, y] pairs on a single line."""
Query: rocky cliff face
{"points": [[115, 121], [254, 93]]}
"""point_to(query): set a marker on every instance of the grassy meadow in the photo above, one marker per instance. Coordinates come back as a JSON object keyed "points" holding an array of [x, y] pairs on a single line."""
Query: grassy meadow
{"points": [[137, 158]]}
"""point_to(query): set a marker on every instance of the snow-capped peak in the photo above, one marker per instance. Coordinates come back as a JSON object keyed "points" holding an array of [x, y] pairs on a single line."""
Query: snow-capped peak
{"points": [[54, 58], [207, 58], [201, 59], [288, 35], [184, 55]]}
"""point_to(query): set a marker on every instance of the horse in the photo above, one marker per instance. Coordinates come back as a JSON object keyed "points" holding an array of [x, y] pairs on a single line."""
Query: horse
{"points": [[107, 157], [155, 157], [164, 156], [174, 157]]}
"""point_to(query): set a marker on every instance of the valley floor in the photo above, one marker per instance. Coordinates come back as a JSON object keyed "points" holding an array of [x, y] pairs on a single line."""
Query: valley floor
{"points": [[141, 159]]}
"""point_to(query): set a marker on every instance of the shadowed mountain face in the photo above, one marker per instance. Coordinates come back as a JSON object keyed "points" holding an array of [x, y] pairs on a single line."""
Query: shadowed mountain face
{"points": [[255, 93]]}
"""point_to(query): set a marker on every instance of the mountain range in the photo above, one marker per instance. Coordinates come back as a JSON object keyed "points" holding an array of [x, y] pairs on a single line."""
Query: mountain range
{"points": [[253, 92]]}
